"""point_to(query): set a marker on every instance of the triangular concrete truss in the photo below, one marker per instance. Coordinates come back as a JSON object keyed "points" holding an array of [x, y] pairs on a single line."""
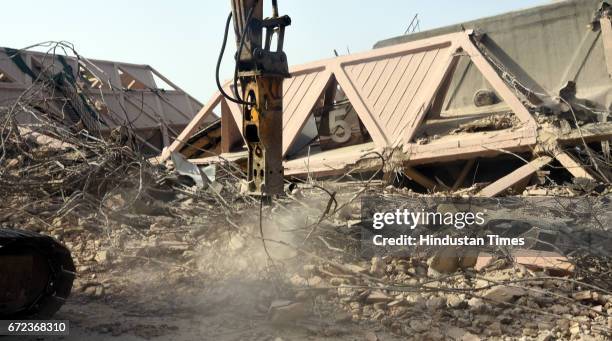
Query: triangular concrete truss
{"points": [[391, 90]]}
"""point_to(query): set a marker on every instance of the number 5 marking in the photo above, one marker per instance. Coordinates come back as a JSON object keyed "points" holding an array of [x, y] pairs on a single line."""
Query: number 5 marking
{"points": [[339, 129]]}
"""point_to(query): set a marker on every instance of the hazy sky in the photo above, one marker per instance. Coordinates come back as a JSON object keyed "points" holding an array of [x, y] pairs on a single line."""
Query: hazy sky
{"points": [[181, 38]]}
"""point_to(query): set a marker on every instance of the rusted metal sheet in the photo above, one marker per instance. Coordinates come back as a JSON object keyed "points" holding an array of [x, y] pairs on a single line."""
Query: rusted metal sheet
{"points": [[123, 94]]}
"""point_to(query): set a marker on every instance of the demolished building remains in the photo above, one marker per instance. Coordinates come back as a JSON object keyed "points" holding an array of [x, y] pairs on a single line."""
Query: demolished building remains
{"points": [[456, 97], [118, 94], [155, 237]]}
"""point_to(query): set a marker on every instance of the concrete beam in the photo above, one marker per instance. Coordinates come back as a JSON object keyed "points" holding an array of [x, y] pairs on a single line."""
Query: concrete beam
{"points": [[464, 172], [606, 37], [422, 180], [572, 166], [518, 175], [591, 132]]}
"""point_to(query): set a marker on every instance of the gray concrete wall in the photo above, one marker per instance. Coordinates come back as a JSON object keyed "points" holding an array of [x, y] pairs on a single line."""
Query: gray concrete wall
{"points": [[543, 46]]}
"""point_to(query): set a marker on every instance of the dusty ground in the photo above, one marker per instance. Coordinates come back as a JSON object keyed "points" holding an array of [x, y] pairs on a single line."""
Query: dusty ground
{"points": [[139, 300], [170, 282], [225, 311]]}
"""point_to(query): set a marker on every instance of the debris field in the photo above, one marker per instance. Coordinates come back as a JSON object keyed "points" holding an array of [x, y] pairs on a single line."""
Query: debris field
{"points": [[167, 244]]}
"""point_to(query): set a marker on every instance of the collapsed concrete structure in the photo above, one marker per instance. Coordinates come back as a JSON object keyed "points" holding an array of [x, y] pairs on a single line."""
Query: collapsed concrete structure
{"points": [[543, 47], [125, 220], [118, 94], [509, 94]]}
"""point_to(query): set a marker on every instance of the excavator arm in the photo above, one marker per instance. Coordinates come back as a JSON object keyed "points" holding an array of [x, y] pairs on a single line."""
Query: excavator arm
{"points": [[261, 67]]}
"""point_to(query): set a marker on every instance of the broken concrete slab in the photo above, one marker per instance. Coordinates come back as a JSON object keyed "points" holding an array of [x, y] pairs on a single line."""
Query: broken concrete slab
{"points": [[503, 294], [543, 260], [186, 168], [586, 295], [285, 311], [377, 296], [443, 262], [532, 259], [573, 166]]}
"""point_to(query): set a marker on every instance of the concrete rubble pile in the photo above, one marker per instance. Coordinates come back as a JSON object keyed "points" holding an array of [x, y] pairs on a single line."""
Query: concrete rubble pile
{"points": [[177, 236], [181, 236]]}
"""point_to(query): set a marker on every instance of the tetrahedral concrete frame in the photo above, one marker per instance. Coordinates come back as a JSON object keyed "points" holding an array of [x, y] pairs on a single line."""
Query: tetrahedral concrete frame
{"points": [[392, 110]]}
